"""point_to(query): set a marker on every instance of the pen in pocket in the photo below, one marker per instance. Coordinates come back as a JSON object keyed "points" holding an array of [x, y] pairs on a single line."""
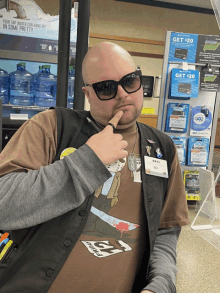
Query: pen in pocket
{"points": [[9, 250]]}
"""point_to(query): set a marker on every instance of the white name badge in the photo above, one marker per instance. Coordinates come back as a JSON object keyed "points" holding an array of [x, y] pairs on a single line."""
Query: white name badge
{"points": [[155, 167]]}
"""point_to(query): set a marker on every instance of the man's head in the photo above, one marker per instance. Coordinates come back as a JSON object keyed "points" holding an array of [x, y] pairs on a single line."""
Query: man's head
{"points": [[108, 61]]}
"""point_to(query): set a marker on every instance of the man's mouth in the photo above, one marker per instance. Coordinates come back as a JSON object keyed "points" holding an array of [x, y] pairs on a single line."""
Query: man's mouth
{"points": [[124, 106]]}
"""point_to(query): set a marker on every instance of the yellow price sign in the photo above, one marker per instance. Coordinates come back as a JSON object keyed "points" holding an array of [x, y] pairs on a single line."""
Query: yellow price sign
{"points": [[193, 197], [148, 111]]}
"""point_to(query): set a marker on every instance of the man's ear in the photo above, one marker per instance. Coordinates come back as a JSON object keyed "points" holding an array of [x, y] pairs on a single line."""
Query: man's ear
{"points": [[86, 93]]}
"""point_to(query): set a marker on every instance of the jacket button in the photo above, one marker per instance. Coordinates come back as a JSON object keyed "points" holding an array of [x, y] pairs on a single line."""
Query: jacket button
{"points": [[81, 213], [49, 273], [67, 242]]}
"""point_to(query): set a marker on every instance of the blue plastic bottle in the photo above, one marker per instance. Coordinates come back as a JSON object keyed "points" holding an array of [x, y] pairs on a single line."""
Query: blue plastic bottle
{"points": [[4, 86], [21, 86], [45, 88], [71, 82], [34, 79]]}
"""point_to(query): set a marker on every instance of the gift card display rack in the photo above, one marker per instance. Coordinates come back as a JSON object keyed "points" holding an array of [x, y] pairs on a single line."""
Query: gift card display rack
{"points": [[188, 112]]}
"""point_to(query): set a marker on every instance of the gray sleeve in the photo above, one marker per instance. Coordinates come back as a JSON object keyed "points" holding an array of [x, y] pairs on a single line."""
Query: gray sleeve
{"points": [[31, 198], [162, 266]]}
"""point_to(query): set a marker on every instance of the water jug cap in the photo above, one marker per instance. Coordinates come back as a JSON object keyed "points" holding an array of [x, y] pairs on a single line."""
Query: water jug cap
{"points": [[4, 71]]}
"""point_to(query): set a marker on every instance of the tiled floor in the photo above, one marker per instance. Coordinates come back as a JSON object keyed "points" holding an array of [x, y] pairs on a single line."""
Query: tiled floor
{"points": [[198, 262]]}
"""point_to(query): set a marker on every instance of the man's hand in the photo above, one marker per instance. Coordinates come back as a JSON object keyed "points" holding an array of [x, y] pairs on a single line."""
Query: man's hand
{"points": [[146, 291], [108, 146]]}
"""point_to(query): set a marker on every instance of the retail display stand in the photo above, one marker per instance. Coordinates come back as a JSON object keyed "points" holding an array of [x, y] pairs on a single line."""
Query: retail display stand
{"points": [[190, 81], [207, 214], [188, 112], [207, 222]]}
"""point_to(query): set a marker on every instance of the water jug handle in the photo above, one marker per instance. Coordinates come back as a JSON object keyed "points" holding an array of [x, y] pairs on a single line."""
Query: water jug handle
{"points": [[27, 89], [52, 90]]}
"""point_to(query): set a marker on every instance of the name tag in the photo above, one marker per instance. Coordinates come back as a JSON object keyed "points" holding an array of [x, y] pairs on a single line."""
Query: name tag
{"points": [[156, 167]]}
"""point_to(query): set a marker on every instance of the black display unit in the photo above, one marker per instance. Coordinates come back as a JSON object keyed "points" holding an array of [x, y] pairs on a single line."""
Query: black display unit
{"points": [[8, 129]]}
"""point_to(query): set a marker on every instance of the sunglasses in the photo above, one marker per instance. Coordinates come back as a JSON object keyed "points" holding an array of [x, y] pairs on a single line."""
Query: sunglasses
{"points": [[107, 89]]}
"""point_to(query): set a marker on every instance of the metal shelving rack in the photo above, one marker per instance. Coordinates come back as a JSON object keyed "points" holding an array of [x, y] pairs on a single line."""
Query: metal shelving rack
{"points": [[62, 59]]}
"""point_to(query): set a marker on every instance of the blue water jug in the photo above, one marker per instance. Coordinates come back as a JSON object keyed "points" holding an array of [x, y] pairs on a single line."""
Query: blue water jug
{"points": [[21, 86], [71, 82], [4, 86], [34, 76], [45, 88]]}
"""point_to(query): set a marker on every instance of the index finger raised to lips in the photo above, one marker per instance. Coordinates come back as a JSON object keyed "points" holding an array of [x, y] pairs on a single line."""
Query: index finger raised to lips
{"points": [[116, 118]]}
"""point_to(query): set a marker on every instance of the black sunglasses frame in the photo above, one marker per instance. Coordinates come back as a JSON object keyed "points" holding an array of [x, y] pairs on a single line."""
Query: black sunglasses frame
{"points": [[117, 83]]}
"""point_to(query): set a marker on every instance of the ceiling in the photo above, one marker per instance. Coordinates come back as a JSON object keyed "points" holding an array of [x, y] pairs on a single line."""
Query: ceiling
{"points": [[200, 6]]}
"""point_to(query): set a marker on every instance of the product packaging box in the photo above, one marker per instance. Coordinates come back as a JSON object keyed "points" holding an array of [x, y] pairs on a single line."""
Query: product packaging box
{"points": [[209, 79], [177, 117], [198, 151], [180, 143], [192, 185], [184, 84], [201, 121], [183, 47]]}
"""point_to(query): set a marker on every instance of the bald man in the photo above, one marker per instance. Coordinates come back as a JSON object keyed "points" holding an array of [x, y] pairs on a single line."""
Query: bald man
{"points": [[81, 208]]}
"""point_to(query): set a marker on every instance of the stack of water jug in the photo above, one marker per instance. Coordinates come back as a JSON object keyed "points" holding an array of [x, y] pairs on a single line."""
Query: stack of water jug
{"points": [[25, 89]]}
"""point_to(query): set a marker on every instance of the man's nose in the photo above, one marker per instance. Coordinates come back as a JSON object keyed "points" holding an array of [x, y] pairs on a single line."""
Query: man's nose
{"points": [[121, 93]]}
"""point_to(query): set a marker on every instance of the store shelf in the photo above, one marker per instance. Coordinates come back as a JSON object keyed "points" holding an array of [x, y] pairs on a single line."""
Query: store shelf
{"points": [[196, 64], [10, 124], [191, 168], [15, 107]]}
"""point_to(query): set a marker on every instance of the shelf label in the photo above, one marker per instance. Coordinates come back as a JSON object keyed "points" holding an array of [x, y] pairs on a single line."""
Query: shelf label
{"points": [[193, 197], [148, 111], [18, 116]]}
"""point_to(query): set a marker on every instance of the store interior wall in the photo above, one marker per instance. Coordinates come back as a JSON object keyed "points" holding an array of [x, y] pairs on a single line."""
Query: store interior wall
{"points": [[122, 19]]}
